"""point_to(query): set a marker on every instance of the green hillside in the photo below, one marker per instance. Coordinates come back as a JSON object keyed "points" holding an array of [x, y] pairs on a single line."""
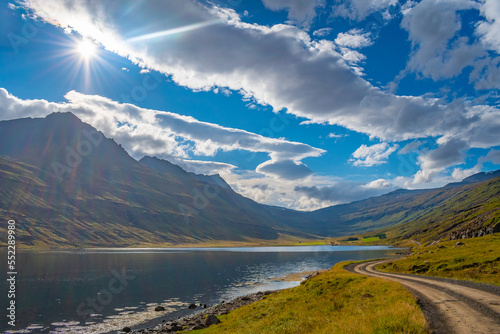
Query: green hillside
{"points": [[420, 214], [464, 211], [474, 259]]}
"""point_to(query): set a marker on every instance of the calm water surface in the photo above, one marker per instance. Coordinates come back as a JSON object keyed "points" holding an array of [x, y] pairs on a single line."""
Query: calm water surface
{"points": [[100, 291]]}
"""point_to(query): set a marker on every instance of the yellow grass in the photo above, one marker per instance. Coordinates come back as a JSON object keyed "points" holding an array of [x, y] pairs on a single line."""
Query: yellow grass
{"points": [[335, 301]]}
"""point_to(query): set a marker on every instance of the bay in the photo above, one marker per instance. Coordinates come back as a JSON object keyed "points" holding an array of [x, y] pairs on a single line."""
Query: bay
{"points": [[103, 290]]}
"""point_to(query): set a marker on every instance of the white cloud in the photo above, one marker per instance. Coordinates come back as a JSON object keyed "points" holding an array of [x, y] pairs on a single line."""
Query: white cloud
{"points": [[333, 135], [13, 108], [368, 156], [481, 127], [433, 26], [448, 154], [459, 174], [451, 150], [354, 38], [441, 51], [346, 191], [411, 147], [279, 66], [322, 32], [378, 184], [264, 189], [311, 193], [493, 156], [300, 12], [489, 30], [286, 169], [360, 9], [352, 56], [486, 74], [202, 167], [159, 133], [425, 176]]}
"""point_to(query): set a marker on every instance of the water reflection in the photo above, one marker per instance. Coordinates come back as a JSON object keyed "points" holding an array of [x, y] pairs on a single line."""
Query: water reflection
{"points": [[96, 291]]}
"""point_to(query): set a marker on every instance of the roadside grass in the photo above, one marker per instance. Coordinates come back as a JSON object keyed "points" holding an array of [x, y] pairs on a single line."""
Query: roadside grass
{"points": [[477, 260], [335, 301]]}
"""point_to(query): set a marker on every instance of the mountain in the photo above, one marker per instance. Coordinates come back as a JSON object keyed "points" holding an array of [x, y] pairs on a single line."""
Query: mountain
{"points": [[458, 210], [67, 185], [166, 167], [466, 211], [479, 177]]}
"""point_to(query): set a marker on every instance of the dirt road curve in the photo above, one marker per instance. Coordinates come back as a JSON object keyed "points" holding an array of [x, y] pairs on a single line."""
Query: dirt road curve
{"points": [[450, 306]]}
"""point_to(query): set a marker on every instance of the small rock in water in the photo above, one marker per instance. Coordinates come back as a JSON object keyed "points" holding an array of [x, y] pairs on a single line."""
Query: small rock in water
{"points": [[204, 305], [126, 329], [159, 308], [192, 306]]}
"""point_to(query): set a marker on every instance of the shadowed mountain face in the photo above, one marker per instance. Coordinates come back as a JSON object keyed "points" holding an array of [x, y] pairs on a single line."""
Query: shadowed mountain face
{"points": [[166, 167], [68, 185]]}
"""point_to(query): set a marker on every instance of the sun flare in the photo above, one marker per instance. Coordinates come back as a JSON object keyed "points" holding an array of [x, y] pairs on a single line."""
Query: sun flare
{"points": [[86, 49]]}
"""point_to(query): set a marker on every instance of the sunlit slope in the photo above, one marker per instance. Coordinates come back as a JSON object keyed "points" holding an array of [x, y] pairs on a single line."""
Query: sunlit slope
{"points": [[465, 211], [428, 214]]}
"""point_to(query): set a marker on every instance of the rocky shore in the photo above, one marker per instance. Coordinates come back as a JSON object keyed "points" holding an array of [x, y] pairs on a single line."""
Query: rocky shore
{"points": [[208, 316], [202, 319]]}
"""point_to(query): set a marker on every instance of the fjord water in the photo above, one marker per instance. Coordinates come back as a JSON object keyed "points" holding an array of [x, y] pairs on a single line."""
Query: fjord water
{"points": [[98, 291]]}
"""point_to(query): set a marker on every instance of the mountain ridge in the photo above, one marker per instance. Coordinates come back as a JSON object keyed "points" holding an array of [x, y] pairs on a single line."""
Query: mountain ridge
{"points": [[70, 186], [165, 166]]}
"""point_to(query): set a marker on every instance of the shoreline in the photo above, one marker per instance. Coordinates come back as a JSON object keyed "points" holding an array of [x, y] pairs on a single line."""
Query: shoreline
{"points": [[204, 318], [180, 245], [191, 246]]}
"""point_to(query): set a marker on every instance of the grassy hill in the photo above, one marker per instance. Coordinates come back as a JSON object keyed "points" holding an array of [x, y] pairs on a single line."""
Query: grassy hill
{"points": [[462, 211], [423, 215], [474, 259]]}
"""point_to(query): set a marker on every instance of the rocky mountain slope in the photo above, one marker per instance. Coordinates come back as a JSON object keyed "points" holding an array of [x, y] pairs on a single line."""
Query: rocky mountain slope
{"points": [[67, 185]]}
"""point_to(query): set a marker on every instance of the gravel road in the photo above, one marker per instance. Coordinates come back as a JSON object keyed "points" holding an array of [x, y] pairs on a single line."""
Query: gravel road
{"points": [[450, 306]]}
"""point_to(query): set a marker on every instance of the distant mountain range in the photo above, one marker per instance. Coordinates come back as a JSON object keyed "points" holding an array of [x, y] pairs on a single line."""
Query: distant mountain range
{"points": [[67, 185]]}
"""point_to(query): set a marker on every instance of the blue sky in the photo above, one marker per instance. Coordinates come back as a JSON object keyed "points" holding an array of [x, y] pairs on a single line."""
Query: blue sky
{"points": [[301, 104]]}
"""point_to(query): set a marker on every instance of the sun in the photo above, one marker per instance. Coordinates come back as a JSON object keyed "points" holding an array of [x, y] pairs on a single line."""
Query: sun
{"points": [[86, 49]]}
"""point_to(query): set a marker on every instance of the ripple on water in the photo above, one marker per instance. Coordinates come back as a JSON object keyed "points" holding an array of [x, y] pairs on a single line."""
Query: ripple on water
{"points": [[127, 317]]}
